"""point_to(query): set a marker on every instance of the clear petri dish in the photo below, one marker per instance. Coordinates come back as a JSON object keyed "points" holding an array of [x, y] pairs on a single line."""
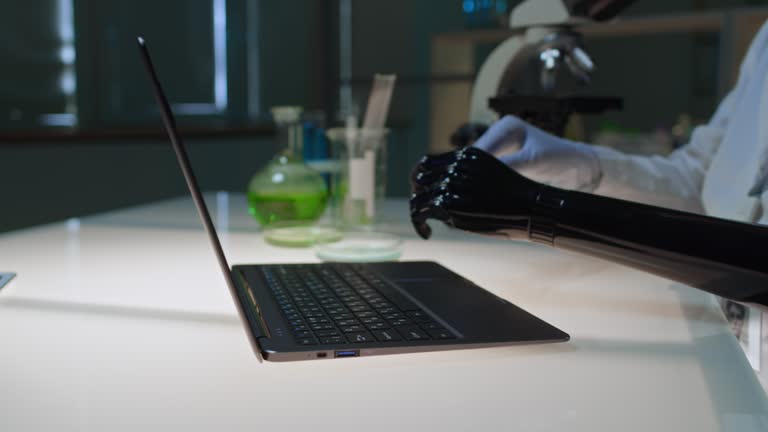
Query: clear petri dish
{"points": [[297, 235], [360, 246]]}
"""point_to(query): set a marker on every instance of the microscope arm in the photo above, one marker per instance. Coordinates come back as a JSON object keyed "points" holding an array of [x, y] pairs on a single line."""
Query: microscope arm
{"points": [[473, 191]]}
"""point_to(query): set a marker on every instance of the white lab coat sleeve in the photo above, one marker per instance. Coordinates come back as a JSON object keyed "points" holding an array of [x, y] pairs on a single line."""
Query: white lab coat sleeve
{"points": [[676, 180], [672, 181]]}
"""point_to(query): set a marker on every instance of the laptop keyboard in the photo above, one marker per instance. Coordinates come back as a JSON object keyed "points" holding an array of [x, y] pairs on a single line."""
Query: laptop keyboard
{"points": [[346, 303]]}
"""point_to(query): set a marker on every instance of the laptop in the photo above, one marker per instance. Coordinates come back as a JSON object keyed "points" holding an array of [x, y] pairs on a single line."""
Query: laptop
{"points": [[338, 310]]}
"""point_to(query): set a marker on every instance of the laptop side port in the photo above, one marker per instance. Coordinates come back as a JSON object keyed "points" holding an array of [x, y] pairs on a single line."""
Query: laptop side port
{"points": [[346, 353], [322, 355]]}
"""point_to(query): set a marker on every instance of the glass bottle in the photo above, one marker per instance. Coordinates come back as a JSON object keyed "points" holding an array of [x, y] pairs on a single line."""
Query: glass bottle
{"points": [[287, 190]]}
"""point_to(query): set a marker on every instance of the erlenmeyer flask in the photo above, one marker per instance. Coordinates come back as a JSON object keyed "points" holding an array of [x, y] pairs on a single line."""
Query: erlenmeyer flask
{"points": [[287, 190]]}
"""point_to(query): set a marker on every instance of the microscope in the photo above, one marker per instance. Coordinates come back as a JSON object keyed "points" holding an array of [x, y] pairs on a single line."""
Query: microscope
{"points": [[532, 73]]}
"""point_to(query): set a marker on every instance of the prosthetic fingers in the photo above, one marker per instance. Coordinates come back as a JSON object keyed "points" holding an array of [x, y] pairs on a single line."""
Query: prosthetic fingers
{"points": [[471, 190]]}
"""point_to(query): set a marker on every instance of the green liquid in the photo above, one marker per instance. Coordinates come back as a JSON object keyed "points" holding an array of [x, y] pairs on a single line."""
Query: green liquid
{"points": [[269, 208]]}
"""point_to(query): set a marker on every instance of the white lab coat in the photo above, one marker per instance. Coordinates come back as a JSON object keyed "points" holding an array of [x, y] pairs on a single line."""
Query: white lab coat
{"points": [[715, 170]]}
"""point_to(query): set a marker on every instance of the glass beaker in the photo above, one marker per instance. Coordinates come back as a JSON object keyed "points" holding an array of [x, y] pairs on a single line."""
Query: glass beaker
{"points": [[287, 190], [360, 182]]}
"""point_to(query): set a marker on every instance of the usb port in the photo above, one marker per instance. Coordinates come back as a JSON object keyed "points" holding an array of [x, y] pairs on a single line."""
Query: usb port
{"points": [[347, 353]]}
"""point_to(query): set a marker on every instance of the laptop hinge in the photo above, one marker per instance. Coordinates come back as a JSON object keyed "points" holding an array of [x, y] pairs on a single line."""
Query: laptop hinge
{"points": [[247, 297]]}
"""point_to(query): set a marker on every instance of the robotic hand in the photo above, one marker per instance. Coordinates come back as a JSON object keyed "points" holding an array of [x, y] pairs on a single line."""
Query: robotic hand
{"points": [[474, 191], [471, 190], [541, 156]]}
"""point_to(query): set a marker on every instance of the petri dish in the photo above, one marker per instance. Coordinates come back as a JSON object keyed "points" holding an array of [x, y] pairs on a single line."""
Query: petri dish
{"points": [[360, 246], [297, 235]]}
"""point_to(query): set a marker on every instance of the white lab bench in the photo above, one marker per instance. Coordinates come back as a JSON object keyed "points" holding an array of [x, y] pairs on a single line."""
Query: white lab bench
{"points": [[121, 322]]}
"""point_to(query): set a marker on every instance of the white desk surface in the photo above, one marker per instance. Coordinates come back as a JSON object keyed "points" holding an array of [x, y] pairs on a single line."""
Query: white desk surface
{"points": [[123, 323]]}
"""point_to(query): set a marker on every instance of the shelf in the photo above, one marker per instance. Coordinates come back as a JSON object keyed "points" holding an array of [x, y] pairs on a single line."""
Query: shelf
{"points": [[700, 22], [12, 137]]}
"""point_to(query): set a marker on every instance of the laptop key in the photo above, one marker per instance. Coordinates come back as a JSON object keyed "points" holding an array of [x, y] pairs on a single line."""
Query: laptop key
{"points": [[307, 341], [317, 327], [400, 322], [441, 334], [431, 326], [370, 320], [327, 333], [366, 314], [347, 322], [303, 335], [419, 316], [342, 316], [380, 304], [378, 326], [360, 337], [387, 335], [301, 304], [332, 304], [413, 333], [352, 328], [333, 340]]}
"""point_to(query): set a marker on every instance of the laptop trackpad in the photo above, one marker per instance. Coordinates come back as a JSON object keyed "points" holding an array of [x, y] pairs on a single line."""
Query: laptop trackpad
{"points": [[469, 309]]}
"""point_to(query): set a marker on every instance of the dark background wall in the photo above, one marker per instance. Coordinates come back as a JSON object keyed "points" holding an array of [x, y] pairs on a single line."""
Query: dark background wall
{"points": [[47, 179]]}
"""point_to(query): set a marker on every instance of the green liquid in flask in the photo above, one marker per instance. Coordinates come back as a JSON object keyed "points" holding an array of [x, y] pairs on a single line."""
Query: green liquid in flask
{"points": [[287, 190], [269, 208]]}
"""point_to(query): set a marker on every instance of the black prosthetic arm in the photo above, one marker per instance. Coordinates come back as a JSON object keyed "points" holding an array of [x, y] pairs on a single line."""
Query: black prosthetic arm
{"points": [[473, 191]]}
